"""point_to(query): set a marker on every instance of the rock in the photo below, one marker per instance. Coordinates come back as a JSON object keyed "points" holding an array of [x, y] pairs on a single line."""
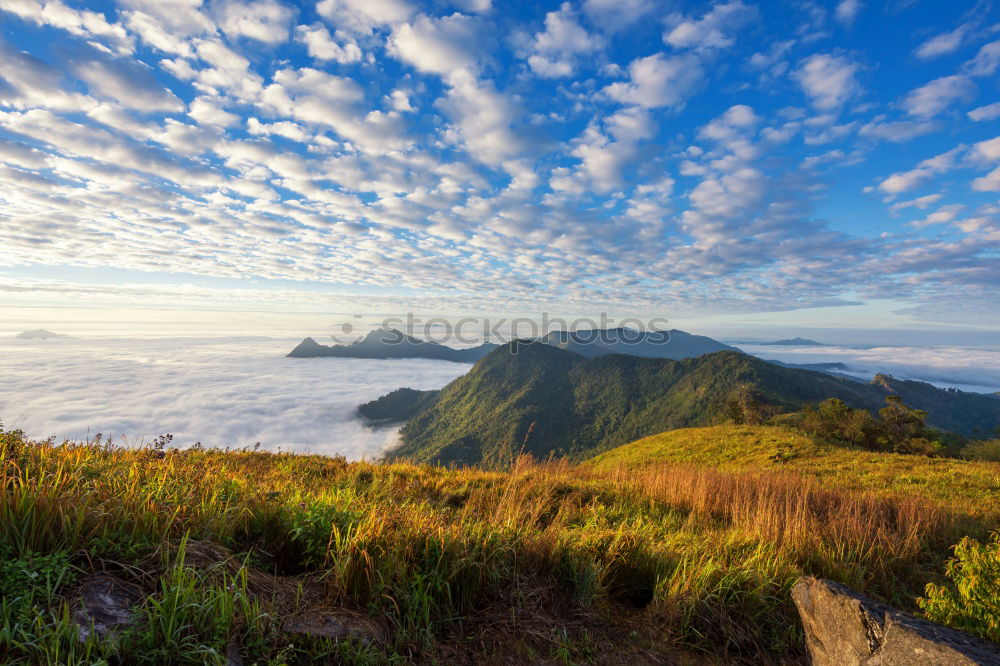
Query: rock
{"points": [[103, 604], [336, 624], [844, 628], [233, 655]]}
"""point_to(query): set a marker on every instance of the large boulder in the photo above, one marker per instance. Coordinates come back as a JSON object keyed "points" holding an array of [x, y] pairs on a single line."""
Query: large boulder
{"points": [[844, 628]]}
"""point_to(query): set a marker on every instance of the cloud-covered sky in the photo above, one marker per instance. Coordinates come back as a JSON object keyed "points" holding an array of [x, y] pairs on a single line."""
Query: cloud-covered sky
{"points": [[679, 157], [231, 392]]}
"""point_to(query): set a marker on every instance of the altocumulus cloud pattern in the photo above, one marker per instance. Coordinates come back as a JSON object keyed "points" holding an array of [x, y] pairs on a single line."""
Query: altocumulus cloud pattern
{"points": [[725, 156]]}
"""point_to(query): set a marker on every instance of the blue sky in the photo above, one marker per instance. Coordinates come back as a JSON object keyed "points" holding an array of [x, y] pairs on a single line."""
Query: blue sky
{"points": [[776, 162]]}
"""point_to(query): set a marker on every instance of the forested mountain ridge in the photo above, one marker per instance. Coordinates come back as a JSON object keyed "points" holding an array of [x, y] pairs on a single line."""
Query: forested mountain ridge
{"points": [[544, 400]]}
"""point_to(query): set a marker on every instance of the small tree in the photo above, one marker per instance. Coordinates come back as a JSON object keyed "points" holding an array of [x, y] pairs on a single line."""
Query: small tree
{"points": [[904, 430], [835, 419], [747, 405]]}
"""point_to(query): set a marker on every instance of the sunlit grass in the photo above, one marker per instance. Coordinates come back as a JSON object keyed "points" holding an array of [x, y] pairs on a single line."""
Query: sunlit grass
{"points": [[960, 485], [544, 561]]}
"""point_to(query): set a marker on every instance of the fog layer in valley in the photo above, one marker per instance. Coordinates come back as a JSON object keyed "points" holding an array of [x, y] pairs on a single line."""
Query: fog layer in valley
{"points": [[238, 391], [221, 392], [966, 368]]}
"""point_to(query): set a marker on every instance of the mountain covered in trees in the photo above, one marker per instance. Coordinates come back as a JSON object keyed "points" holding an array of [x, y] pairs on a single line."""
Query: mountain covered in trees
{"points": [[544, 400], [390, 343]]}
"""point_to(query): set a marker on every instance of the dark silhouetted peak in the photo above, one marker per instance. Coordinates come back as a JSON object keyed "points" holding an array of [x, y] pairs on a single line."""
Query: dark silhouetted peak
{"points": [[791, 342]]}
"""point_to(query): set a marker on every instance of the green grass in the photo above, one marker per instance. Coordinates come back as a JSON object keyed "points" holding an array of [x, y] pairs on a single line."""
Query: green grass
{"points": [[544, 563], [962, 486]]}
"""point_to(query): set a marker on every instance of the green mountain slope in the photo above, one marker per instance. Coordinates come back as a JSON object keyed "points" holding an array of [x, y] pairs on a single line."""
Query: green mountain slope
{"points": [[544, 400]]}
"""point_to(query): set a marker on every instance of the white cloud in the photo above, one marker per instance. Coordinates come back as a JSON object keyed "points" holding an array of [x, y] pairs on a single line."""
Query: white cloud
{"points": [[988, 183], [736, 120], [26, 82], [987, 151], [658, 80], [714, 30], [20, 155], [439, 46], [321, 45], [986, 61], [602, 160], [401, 101], [920, 203], [130, 83], [630, 124], [555, 50], [207, 111], [847, 11], [946, 42], [325, 100], [84, 23], [943, 215], [905, 181], [482, 120], [932, 98], [985, 113], [266, 21], [474, 6], [828, 80], [899, 130], [615, 15], [364, 15]]}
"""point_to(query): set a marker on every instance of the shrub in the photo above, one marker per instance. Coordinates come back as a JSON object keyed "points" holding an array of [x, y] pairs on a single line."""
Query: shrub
{"points": [[988, 450], [972, 602], [898, 428], [834, 419]]}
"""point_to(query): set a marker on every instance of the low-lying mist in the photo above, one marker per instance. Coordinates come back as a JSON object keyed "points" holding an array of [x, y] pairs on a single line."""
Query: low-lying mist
{"points": [[221, 392], [965, 368]]}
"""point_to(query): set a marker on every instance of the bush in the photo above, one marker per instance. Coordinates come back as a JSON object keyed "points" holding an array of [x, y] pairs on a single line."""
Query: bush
{"points": [[972, 602], [835, 420], [988, 450], [898, 428]]}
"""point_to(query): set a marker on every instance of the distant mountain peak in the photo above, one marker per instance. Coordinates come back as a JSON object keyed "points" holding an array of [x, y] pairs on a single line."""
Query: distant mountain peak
{"points": [[801, 342], [385, 343], [39, 334], [391, 343]]}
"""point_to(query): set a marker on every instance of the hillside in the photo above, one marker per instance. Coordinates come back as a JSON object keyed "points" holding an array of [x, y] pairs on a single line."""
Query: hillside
{"points": [[547, 401], [974, 487], [216, 557]]}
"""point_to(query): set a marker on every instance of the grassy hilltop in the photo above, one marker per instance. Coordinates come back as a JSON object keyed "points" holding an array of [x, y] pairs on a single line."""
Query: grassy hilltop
{"points": [[677, 549]]}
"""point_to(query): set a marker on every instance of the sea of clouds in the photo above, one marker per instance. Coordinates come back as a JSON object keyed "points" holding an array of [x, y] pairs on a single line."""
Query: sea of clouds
{"points": [[965, 368], [239, 391], [221, 392]]}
